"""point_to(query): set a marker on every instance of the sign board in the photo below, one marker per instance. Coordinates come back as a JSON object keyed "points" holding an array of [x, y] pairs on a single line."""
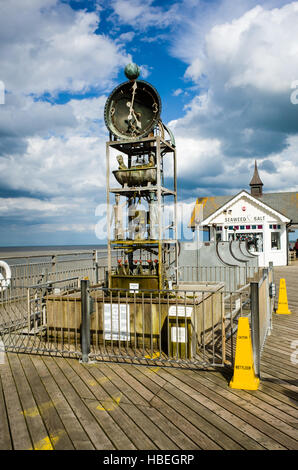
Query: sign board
{"points": [[178, 334], [116, 318], [134, 287], [180, 311]]}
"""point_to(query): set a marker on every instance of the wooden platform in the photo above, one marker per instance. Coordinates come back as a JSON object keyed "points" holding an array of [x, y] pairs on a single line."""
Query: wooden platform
{"points": [[58, 403]]}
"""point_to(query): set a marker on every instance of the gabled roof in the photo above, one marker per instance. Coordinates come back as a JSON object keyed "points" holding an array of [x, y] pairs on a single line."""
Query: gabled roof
{"points": [[285, 204]]}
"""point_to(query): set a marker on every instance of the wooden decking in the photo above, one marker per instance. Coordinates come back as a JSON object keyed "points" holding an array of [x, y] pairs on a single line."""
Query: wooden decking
{"points": [[58, 403]]}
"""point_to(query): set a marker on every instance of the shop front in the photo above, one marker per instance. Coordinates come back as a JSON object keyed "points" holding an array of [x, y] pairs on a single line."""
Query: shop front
{"points": [[246, 218]]}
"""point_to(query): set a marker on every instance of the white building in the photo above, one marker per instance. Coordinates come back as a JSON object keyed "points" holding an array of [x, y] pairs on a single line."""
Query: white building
{"points": [[263, 220]]}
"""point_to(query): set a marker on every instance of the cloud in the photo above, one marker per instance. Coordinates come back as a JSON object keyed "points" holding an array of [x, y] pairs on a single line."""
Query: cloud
{"points": [[142, 15], [52, 155], [55, 48], [268, 166], [244, 72], [177, 92]]}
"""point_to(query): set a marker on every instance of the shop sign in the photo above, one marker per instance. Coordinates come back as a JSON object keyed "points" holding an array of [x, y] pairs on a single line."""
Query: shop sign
{"points": [[248, 218]]}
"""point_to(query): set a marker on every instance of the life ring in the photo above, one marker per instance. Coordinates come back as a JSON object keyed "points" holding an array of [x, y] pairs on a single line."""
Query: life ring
{"points": [[5, 281]]}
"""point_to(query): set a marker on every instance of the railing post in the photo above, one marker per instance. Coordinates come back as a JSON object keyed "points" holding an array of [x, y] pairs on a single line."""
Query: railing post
{"points": [[95, 265], [255, 325], [85, 323], [271, 299]]}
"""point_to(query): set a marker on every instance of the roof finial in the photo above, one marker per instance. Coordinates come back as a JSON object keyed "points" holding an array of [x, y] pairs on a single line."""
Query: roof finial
{"points": [[256, 183]]}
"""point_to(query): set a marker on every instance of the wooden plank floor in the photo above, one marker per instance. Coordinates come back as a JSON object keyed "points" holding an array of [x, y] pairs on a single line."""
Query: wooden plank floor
{"points": [[58, 403]]}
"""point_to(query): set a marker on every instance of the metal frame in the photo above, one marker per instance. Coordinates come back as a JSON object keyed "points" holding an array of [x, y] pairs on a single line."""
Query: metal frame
{"points": [[140, 147], [261, 316]]}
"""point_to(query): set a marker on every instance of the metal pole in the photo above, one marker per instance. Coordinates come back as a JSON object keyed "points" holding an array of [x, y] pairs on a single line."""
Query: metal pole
{"points": [[160, 208], [255, 325], [85, 324], [95, 265], [271, 300], [108, 212]]}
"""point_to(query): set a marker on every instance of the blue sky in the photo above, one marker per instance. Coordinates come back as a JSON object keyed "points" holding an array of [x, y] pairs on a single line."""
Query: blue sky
{"points": [[224, 71]]}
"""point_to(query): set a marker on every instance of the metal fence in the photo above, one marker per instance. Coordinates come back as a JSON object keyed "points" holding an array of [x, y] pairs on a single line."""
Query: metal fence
{"points": [[262, 304], [30, 270], [185, 326], [181, 327], [234, 277]]}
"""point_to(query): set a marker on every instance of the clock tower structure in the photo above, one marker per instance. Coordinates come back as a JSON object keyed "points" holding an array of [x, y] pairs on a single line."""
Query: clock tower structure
{"points": [[141, 178]]}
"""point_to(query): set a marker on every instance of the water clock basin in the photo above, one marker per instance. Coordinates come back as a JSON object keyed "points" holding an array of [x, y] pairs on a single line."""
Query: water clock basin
{"points": [[136, 176]]}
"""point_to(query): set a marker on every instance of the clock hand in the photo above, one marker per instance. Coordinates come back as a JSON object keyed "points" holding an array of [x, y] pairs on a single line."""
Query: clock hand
{"points": [[132, 115], [134, 87], [130, 103], [138, 123]]}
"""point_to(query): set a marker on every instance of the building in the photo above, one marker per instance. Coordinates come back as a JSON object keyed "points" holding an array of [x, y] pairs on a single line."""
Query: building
{"points": [[262, 219]]}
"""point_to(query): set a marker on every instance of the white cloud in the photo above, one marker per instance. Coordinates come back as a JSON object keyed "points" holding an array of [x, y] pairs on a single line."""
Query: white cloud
{"points": [[142, 14], [243, 111], [177, 92], [194, 70], [259, 49], [52, 156], [126, 37], [55, 48]]}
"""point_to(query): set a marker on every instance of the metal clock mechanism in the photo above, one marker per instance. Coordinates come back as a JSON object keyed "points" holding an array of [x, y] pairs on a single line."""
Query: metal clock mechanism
{"points": [[142, 244]]}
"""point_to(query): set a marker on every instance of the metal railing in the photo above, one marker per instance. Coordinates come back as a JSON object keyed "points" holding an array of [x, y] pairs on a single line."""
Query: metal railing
{"points": [[184, 326], [180, 327], [24, 319], [262, 304], [29, 270], [234, 277]]}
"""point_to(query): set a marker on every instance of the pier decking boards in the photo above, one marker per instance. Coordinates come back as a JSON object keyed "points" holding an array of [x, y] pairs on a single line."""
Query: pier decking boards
{"points": [[58, 403]]}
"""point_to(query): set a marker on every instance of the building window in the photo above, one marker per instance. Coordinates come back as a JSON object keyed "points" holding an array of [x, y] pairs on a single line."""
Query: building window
{"points": [[275, 240], [254, 240]]}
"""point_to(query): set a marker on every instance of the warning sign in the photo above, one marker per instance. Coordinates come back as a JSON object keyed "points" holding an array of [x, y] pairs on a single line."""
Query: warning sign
{"points": [[244, 376]]}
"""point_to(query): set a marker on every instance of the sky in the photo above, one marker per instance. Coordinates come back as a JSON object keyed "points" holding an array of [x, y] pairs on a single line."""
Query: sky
{"points": [[226, 72]]}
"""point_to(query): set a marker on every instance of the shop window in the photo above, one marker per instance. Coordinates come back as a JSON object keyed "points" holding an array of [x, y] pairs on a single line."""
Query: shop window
{"points": [[254, 240], [218, 237], [275, 240]]}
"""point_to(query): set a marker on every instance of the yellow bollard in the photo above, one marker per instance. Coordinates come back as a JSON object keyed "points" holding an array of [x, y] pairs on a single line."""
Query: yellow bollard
{"points": [[283, 308], [244, 377]]}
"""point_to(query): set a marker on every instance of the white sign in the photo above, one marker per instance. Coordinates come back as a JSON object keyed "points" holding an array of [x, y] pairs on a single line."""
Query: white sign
{"points": [[119, 322], [133, 287], [180, 311], [178, 334]]}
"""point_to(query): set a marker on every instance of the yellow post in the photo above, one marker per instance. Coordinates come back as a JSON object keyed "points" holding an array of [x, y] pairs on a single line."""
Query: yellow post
{"points": [[244, 377], [283, 308]]}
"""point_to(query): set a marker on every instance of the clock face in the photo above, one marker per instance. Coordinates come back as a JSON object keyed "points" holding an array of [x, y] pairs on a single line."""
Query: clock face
{"points": [[132, 110]]}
